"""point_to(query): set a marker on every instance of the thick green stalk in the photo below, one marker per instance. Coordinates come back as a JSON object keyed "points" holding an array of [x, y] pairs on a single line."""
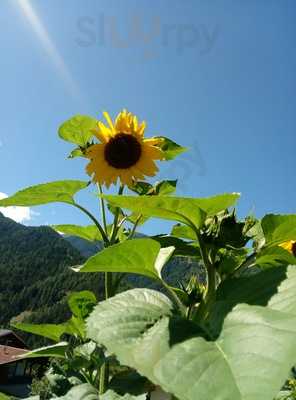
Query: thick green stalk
{"points": [[104, 371], [133, 231], [95, 221], [103, 209], [209, 298], [116, 217]]}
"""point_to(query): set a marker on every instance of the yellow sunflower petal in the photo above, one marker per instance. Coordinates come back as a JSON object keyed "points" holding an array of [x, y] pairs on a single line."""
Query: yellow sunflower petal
{"points": [[147, 166], [153, 152], [154, 141], [290, 245], [141, 129], [109, 120], [126, 177], [100, 135], [95, 151]]}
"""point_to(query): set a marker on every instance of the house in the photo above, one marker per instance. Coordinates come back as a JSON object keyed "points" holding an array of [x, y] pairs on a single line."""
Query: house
{"points": [[16, 373]]}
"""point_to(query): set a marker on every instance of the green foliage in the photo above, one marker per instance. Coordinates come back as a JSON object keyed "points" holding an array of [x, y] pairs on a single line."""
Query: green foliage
{"points": [[59, 191], [278, 228], [189, 211], [224, 330], [138, 256], [57, 350], [82, 303], [149, 324], [50, 331], [89, 232], [171, 149], [78, 130]]}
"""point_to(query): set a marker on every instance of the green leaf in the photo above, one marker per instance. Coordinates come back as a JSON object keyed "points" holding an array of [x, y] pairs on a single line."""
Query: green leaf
{"points": [[250, 359], [183, 231], [59, 191], [111, 395], [162, 188], [50, 331], [81, 392], [78, 152], [119, 322], [138, 256], [75, 326], [82, 303], [165, 188], [182, 248], [142, 187], [4, 397], [230, 260], [263, 289], [85, 350], [57, 351], [186, 210], [88, 232], [130, 382], [171, 149], [274, 256], [78, 129], [278, 228]]}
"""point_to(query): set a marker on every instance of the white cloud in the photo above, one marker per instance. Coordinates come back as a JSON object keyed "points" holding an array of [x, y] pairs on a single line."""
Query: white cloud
{"points": [[18, 214]]}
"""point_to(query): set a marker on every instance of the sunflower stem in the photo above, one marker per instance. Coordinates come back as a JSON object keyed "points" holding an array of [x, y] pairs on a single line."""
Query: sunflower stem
{"points": [[116, 217], [95, 221], [209, 298], [103, 209], [133, 231]]}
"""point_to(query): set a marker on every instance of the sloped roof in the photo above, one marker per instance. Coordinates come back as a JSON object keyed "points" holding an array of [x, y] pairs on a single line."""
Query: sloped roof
{"points": [[4, 332], [10, 354]]}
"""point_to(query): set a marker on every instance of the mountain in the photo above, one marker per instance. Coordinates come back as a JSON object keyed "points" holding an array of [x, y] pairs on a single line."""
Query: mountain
{"points": [[35, 278], [34, 270]]}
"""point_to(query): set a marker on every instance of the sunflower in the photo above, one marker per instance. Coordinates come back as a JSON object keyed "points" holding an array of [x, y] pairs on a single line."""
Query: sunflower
{"points": [[123, 153], [290, 246]]}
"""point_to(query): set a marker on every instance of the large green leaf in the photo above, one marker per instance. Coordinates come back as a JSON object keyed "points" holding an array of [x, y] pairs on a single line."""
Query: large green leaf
{"points": [[74, 326], [264, 288], [89, 232], [249, 360], [50, 331], [274, 256], [138, 256], [78, 129], [182, 248], [278, 228], [57, 351], [186, 210], [183, 231], [59, 191]]}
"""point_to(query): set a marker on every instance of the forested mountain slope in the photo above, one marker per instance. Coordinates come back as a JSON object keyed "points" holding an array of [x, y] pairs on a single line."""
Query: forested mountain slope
{"points": [[35, 278], [34, 271]]}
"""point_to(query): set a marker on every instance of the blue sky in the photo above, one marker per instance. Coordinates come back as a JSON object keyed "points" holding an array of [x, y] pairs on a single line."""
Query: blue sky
{"points": [[216, 76]]}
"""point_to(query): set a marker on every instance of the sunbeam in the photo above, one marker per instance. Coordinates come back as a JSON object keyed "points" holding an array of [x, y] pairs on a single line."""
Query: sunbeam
{"points": [[49, 46]]}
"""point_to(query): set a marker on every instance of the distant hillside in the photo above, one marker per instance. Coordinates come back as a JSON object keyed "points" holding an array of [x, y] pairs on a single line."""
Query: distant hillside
{"points": [[33, 269], [35, 278]]}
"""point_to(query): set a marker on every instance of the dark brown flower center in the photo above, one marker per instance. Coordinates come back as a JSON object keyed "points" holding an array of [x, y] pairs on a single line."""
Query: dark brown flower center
{"points": [[122, 151], [294, 248]]}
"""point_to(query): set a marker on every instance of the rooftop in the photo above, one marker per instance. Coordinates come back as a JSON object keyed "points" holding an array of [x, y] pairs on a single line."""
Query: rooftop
{"points": [[10, 354]]}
